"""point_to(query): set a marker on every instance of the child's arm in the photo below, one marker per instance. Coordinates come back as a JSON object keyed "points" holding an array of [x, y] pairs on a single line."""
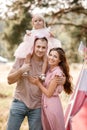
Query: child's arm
{"points": [[51, 35], [28, 32], [28, 58], [50, 32], [44, 68]]}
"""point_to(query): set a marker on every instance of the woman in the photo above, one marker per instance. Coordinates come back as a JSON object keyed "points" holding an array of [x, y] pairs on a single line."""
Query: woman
{"points": [[52, 111]]}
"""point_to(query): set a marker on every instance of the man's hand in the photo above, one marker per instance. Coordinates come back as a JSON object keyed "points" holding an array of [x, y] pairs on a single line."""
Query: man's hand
{"points": [[60, 79], [34, 80], [25, 67]]}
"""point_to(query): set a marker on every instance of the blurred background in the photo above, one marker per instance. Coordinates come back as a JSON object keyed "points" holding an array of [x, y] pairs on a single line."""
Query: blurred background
{"points": [[68, 22]]}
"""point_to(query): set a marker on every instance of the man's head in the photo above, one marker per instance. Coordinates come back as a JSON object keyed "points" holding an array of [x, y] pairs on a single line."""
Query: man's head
{"points": [[40, 47]]}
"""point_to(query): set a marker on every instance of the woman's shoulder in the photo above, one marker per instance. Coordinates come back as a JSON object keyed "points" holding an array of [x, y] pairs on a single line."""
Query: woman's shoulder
{"points": [[58, 71]]}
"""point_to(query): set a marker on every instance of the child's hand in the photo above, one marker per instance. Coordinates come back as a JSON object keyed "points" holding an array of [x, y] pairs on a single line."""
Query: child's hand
{"points": [[28, 32], [51, 35]]}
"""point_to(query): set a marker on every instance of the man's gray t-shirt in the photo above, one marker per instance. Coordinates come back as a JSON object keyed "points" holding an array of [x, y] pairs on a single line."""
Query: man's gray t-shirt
{"points": [[25, 91]]}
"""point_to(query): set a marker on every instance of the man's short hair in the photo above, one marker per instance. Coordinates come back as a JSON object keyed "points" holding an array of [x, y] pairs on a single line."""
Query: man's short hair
{"points": [[42, 39]]}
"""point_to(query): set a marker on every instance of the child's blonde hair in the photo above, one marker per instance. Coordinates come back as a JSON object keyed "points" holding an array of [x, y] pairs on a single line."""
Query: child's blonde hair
{"points": [[40, 16]]}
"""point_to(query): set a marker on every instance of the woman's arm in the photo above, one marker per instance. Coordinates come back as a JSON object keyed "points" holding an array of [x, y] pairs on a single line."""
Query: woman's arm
{"points": [[50, 89], [15, 75]]}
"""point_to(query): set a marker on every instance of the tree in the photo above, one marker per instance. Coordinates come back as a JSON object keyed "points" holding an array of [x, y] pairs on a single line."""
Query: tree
{"points": [[69, 16]]}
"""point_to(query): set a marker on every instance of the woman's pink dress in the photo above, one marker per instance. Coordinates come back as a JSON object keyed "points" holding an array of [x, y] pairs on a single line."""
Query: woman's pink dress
{"points": [[26, 47], [52, 111]]}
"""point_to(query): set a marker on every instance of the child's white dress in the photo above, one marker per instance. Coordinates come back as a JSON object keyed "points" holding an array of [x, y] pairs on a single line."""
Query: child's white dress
{"points": [[27, 45]]}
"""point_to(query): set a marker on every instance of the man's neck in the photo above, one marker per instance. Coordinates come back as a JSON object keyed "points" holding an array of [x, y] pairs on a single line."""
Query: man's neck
{"points": [[37, 58]]}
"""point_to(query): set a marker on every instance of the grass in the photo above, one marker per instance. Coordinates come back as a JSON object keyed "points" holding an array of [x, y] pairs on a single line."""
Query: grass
{"points": [[5, 102], [6, 93]]}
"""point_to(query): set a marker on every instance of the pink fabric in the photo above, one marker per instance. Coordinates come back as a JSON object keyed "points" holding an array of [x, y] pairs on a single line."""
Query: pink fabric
{"points": [[52, 112], [76, 108], [26, 46], [78, 114], [79, 121]]}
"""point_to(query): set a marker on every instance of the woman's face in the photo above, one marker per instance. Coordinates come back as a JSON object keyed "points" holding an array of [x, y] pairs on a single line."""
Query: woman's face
{"points": [[53, 58], [38, 22]]}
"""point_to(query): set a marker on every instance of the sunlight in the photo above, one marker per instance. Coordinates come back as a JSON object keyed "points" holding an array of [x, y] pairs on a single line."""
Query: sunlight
{"points": [[84, 4], [5, 3], [3, 6]]}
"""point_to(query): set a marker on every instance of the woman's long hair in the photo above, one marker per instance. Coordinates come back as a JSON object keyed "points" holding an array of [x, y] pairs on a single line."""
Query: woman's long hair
{"points": [[65, 68]]}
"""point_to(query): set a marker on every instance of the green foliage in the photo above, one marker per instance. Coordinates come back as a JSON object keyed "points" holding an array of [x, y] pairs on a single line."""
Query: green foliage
{"points": [[15, 27], [17, 30], [71, 29]]}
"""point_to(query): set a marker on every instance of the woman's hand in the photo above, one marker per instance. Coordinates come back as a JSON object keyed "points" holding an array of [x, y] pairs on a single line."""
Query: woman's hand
{"points": [[34, 80]]}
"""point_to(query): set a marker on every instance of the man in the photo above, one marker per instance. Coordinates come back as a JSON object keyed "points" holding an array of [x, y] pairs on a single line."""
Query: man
{"points": [[27, 97]]}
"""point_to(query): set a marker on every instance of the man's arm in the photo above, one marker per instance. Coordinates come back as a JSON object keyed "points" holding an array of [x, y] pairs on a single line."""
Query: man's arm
{"points": [[15, 75]]}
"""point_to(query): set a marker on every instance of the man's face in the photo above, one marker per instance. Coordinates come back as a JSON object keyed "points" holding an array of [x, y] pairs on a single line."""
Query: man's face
{"points": [[40, 48]]}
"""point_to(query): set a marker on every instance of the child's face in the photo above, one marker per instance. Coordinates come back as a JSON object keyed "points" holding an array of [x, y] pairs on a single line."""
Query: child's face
{"points": [[38, 22]]}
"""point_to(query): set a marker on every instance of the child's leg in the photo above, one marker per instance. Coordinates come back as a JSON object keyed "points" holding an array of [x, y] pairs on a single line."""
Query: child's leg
{"points": [[28, 58], [44, 68]]}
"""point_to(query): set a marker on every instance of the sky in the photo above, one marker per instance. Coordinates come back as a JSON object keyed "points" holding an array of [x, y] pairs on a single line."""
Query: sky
{"points": [[4, 9]]}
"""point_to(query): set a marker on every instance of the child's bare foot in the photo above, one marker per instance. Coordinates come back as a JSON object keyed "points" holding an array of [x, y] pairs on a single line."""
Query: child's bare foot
{"points": [[42, 77]]}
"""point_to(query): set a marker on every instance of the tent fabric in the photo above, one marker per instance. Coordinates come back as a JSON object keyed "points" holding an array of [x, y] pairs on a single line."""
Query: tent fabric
{"points": [[77, 114], [79, 121]]}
